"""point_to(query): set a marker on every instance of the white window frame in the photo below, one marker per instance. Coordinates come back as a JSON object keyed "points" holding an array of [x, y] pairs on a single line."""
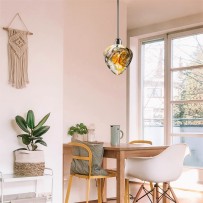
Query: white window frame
{"points": [[170, 38], [167, 38], [154, 38]]}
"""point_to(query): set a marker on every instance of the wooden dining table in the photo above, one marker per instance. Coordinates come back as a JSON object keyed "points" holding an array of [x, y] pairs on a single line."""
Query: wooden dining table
{"points": [[120, 153]]}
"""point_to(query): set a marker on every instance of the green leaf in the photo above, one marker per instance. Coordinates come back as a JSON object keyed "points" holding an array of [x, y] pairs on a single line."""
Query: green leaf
{"points": [[78, 128], [20, 149], [40, 131], [72, 130], [36, 138], [22, 135], [40, 124], [30, 119], [22, 123], [41, 142], [26, 140]]}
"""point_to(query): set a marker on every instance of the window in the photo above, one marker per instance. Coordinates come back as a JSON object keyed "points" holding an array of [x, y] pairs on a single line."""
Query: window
{"points": [[186, 50], [153, 90], [172, 91]]}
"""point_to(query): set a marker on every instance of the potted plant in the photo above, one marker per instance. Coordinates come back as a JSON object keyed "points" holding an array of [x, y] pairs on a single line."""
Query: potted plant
{"points": [[78, 131], [29, 161]]}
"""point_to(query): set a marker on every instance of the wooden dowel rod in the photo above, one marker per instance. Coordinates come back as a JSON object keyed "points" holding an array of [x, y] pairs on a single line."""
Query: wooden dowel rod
{"points": [[29, 33]]}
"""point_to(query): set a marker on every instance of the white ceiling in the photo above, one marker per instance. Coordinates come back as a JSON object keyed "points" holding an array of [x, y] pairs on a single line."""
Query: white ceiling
{"points": [[146, 12]]}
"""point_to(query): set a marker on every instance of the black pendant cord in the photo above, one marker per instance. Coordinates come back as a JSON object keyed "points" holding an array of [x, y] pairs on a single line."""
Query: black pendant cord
{"points": [[118, 40], [117, 19]]}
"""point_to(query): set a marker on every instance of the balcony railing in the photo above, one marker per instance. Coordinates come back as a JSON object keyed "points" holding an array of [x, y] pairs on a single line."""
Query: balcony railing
{"points": [[177, 122]]}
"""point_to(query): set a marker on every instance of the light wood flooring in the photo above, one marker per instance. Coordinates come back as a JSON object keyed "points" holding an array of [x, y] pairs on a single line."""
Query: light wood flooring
{"points": [[183, 197]]}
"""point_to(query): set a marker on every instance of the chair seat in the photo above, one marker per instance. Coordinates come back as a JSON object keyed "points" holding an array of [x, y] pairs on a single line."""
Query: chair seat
{"points": [[110, 174]]}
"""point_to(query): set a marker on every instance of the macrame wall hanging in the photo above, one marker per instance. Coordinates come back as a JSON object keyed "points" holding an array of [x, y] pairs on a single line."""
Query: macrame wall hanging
{"points": [[18, 55]]}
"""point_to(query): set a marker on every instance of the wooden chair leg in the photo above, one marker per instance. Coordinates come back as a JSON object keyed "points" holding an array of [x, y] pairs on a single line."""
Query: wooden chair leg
{"points": [[138, 193], [155, 194], [99, 188], [165, 187], [151, 185], [126, 191], [68, 189], [173, 194], [88, 190], [103, 189]]}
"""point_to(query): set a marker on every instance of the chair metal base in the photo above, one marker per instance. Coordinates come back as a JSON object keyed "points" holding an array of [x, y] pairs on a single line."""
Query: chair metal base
{"points": [[156, 194]]}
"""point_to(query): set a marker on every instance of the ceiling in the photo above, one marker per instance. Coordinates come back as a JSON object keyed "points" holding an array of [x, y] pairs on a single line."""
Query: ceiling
{"points": [[146, 12]]}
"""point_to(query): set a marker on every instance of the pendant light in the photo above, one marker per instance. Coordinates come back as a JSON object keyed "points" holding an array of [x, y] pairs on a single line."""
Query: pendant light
{"points": [[118, 57]]}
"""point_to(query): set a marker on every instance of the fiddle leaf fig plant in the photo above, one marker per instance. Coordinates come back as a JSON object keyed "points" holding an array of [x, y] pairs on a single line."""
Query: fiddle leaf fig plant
{"points": [[79, 129], [32, 135]]}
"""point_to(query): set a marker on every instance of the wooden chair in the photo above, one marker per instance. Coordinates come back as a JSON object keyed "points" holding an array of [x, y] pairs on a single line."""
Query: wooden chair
{"points": [[127, 195], [100, 179]]}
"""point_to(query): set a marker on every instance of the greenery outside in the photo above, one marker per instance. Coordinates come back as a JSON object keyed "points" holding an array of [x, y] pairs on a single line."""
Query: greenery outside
{"points": [[190, 87]]}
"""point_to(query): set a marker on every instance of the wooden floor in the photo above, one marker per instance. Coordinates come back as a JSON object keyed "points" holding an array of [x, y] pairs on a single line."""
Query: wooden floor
{"points": [[109, 201], [183, 197], [183, 200]]}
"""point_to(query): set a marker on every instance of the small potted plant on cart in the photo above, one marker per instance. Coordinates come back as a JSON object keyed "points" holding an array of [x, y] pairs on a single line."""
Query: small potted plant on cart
{"points": [[29, 161]]}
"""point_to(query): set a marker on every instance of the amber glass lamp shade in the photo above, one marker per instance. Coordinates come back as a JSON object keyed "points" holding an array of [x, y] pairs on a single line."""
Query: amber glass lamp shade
{"points": [[117, 57]]}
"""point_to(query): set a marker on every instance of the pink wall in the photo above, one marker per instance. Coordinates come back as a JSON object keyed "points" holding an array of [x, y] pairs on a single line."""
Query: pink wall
{"points": [[92, 93], [44, 93], [89, 91]]}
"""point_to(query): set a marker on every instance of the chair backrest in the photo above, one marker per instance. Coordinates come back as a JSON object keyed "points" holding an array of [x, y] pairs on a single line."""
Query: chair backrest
{"points": [[141, 142], [165, 167], [84, 158], [170, 161]]}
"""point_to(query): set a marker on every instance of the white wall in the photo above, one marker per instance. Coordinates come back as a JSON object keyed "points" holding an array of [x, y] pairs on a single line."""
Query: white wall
{"points": [[45, 92], [92, 93]]}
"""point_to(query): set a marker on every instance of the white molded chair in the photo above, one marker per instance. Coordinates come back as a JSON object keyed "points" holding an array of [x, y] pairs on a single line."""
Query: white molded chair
{"points": [[163, 168], [127, 182]]}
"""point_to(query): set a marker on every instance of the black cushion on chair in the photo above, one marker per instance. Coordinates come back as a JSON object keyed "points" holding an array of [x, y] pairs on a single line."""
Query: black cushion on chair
{"points": [[81, 166]]}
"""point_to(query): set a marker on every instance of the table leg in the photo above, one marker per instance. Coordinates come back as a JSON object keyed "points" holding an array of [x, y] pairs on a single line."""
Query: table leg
{"points": [[104, 191], [120, 178]]}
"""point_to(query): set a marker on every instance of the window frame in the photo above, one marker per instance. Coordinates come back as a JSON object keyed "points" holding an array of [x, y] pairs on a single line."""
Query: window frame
{"points": [[170, 38], [168, 71], [140, 72]]}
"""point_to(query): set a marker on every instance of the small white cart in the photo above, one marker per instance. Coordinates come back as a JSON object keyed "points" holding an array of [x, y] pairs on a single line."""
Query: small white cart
{"points": [[6, 178]]}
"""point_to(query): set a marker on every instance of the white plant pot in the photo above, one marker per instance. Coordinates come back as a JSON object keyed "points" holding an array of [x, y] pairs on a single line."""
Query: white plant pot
{"points": [[79, 137], [29, 163]]}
